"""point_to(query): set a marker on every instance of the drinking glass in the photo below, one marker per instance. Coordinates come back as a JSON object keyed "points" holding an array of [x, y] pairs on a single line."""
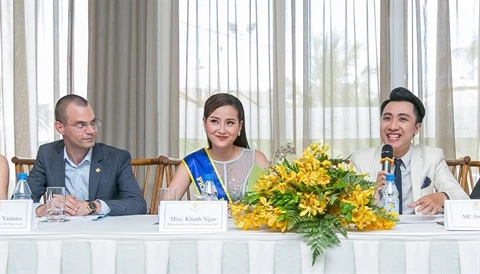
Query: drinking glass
{"points": [[167, 194], [55, 204]]}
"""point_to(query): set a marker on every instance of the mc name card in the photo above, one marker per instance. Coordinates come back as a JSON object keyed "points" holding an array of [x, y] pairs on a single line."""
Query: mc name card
{"points": [[193, 216], [462, 214], [16, 215]]}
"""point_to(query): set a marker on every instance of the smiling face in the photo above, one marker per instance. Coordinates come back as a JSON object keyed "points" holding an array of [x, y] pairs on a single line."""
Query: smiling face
{"points": [[398, 126], [76, 139], [222, 126]]}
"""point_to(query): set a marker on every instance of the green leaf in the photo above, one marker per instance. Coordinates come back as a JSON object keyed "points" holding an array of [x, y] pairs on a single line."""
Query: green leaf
{"points": [[321, 237]]}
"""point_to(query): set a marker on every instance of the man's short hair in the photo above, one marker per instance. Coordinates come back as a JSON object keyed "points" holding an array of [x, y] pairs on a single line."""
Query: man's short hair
{"points": [[402, 94], [63, 103]]}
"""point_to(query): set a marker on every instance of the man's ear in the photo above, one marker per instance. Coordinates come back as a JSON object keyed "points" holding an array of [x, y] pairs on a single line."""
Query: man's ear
{"points": [[59, 127], [418, 126]]}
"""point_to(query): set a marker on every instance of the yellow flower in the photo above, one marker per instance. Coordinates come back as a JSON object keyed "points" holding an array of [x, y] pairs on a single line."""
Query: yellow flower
{"points": [[273, 221], [363, 216], [323, 178], [360, 197], [237, 208], [326, 163], [263, 183], [311, 205], [299, 193], [323, 149], [281, 187]]}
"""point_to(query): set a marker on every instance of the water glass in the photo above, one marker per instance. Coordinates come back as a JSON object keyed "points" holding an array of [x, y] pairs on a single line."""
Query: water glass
{"points": [[55, 204], [167, 194]]}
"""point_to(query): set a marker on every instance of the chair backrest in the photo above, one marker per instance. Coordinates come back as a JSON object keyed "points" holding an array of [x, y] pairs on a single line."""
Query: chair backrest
{"points": [[152, 174], [471, 174], [456, 167], [22, 165]]}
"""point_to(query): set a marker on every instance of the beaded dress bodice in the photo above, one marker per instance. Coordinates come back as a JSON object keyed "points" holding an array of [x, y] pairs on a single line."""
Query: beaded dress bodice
{"points": [[235, 173]]}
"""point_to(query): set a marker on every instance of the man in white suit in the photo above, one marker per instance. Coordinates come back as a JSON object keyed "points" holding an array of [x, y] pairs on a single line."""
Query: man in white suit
{"points": [[426, 180]]}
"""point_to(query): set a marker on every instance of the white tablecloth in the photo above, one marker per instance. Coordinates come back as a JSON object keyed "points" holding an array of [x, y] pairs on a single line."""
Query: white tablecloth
{"points": [[132, 244]]}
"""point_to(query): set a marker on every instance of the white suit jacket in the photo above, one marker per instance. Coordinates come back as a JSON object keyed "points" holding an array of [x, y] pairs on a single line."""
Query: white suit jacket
{"points": [[427, 162]]}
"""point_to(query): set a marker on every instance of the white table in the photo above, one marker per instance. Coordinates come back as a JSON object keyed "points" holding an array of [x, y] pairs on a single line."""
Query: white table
{"points": [[132, 244]]}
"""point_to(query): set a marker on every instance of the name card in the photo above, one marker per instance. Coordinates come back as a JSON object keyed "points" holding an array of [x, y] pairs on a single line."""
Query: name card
{"points": [[193, 216], [16, 215], [462, 215]]}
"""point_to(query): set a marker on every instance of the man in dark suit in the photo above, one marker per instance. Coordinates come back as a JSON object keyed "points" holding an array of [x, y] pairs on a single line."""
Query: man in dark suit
{"points": [[98, 178], [476, 191]]}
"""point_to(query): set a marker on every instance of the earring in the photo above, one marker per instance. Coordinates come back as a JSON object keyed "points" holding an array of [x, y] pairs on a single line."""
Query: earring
{"points": [[239, 134]]}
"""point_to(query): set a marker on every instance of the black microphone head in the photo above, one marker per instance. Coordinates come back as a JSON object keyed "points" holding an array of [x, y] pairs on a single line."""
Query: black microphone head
{"points": [[387, 151]]}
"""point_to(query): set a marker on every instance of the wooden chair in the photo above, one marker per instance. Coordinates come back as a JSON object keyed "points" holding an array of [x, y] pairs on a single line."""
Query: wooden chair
{"points": [[457, 168], [170, 167], [152, 174], [22, 165], [471, 174]]}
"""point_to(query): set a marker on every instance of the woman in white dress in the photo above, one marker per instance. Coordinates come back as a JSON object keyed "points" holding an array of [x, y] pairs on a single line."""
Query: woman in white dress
{"points": [[228, 156]]}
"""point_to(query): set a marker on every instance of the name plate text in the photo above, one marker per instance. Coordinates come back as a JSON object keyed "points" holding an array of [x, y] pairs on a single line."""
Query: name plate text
{"points": [[193, 216], [16, 215], [462, 215]]}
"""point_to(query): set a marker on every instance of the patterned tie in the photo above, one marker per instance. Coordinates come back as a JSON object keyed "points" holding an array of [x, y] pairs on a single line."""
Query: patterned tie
{"points": [[398, 181]]}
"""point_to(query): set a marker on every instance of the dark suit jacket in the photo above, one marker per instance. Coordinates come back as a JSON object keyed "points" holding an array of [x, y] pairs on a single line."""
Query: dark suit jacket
{"points": [[111, 177], [476, 191]]}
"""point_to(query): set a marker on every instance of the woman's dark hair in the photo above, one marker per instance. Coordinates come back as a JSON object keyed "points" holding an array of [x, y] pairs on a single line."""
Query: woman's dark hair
{"points": [[224, 99]]}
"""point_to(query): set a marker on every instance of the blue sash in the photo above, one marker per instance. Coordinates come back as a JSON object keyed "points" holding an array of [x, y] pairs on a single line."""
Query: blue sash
{"points": [[200, 163]]}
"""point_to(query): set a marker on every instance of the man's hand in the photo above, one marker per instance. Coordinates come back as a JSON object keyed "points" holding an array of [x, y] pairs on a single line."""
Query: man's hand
{"points": [[381, 180], [71, 205], [429, 204], [41, 210], [83, 209], [74, 207]]}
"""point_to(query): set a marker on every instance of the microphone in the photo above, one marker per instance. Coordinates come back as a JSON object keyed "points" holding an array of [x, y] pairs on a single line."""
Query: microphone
{"points": [[387, 158]]}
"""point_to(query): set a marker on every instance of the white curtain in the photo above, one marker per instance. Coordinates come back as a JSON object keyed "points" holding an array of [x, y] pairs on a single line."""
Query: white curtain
{"points": [[38, 50], [442, 49], [309, 71], [306, 71]]}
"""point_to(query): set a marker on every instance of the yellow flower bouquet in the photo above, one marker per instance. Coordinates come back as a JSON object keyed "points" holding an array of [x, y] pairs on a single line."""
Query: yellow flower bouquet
{"points": [[313, 195]]}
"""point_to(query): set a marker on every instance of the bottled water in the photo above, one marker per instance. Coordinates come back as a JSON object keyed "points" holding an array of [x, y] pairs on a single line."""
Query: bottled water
{"points": [[22, 190], [209, 192], [390, 195]]}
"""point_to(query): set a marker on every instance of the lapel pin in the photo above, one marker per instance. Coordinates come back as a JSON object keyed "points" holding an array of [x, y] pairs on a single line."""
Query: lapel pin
{"points": [[97, 170]]}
